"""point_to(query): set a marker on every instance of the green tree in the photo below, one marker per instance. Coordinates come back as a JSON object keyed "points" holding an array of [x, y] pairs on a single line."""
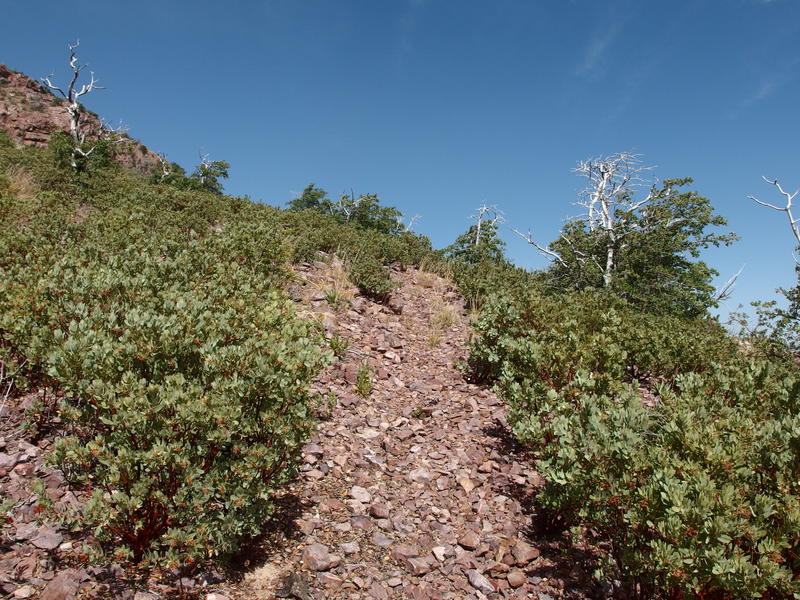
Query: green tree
{"points": [[313, 198], [656, 253], [481, 242], [473, 248], [365, 210], [643, 250], [208, 174]]}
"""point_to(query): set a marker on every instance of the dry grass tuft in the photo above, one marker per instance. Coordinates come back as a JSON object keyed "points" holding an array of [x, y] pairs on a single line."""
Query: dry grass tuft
{"points": [[23, 187]]}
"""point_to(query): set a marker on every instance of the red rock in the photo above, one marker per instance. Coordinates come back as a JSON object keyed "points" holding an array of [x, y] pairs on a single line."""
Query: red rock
{"points": [[47, 539], [417, 566], [361, 494], [63, 587], [317, 558], [470, 540], [524, 553], [516, 578], [379, 511], [402, 551], [378, 591]]}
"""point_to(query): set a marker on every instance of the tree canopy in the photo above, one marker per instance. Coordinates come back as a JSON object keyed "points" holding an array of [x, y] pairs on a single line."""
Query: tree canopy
{"points": [[364, 211], [656, 249]]}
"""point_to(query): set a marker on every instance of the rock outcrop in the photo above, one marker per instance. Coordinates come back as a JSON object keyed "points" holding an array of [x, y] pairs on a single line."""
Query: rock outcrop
{"points": [[29, 113]]}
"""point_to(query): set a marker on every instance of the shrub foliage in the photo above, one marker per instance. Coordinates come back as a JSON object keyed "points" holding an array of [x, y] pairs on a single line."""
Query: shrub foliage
{"points": [[154, 314], [657, 435]]}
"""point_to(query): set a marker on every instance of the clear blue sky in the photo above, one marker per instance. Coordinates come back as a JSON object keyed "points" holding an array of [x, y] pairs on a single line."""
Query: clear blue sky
{"points": [[440, 105]]}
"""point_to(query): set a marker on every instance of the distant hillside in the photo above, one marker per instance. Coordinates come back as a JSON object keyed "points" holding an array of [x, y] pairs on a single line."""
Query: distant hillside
{"points": [[29, 112]]}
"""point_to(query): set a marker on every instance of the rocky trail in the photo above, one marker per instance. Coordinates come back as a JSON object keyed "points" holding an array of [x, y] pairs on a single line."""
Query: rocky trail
{"points": [[414, 490]]}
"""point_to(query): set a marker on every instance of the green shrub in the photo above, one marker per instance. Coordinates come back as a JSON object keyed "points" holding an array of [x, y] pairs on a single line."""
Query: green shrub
{"points": [[185, 386], [680, 455], [371, 278], [338, 345]]}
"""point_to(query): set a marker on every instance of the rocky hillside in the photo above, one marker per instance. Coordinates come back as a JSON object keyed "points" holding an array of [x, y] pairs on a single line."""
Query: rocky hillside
{"points": [[412, 488], [29, 112]]}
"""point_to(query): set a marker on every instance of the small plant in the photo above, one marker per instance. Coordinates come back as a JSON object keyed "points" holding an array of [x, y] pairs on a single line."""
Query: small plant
{"points": [[338, 345], [419, 413], [364, 381], [435, 339], [444, 318], [334, 298], [332, 399]]}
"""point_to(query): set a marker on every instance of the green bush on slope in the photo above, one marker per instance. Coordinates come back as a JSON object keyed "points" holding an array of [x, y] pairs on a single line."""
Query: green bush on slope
{"points": [[156, 316], [695, 482]]}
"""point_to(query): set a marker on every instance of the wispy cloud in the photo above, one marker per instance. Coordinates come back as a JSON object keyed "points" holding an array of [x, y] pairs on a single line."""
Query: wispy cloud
{"points": [[594, 57], [406, 29], [767, 86]]}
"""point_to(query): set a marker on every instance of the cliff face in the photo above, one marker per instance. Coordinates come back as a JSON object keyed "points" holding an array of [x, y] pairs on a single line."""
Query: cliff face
{"points": [[29, 112]]}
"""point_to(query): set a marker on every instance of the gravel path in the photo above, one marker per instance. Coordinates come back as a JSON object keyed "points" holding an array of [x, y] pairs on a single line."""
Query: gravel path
{"points": [[414, 491]]}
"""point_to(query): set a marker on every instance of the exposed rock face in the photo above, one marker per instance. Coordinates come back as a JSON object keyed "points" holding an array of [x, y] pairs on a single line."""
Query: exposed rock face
{"points": [[29, 112]]}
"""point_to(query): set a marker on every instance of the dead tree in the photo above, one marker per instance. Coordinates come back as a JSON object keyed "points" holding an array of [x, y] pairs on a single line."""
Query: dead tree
{"points": [[408, 228], [485, 215], [606, 200], [72, 95], [793, 221]]}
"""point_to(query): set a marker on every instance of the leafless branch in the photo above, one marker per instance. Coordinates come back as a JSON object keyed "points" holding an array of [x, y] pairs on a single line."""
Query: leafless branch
{"points": [[793, 222], [411, 222], [495, 217], [528, 237], [74, 109], [724, 292]]}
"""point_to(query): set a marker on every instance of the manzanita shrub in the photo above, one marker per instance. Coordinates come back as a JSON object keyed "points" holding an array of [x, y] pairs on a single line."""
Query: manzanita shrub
{"points": [[677, 452], [183, 375]]}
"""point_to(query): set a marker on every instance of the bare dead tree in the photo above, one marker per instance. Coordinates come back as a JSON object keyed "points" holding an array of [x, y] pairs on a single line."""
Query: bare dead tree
{"points": [[204, 167], [528, 237], [485, 214], [72, 95], [166, 166], [410, 226], [348, 204], [606, 201], [787, 208]]}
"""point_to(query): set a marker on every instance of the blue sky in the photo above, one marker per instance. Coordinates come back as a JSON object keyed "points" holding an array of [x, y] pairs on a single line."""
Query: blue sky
{"points": [[440, 105]]}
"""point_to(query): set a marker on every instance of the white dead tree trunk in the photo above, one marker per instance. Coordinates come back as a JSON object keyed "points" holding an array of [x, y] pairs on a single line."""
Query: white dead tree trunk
{"points": [[166, 167], [72, 95], [203, 168], [485, 215], [606, 200], [411, 222], [787, 208]]}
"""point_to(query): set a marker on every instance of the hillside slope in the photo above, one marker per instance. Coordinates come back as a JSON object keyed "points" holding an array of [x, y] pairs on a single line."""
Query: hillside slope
{"points": [[29, 112], [414, 490]]}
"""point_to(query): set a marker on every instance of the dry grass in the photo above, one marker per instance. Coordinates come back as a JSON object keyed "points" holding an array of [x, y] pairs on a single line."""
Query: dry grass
{"points": [[443, 316], [435, 339], [23, 186], [426, 280]]}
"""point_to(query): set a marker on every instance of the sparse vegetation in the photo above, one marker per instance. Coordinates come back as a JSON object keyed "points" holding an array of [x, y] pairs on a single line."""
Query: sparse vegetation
{"points": [[364, 381], [338, 345]]}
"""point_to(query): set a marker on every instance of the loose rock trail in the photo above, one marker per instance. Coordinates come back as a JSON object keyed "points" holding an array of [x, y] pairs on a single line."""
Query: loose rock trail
{"points": [[414, 491]]}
